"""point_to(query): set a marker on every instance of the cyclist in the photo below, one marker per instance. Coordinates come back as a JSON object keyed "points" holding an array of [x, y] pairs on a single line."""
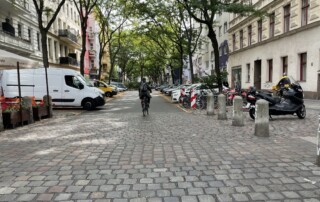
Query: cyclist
{"points": [[144, 90]]}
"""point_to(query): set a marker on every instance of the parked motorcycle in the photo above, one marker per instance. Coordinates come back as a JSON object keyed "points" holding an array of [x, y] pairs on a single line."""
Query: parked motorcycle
{"points": [[290, 103]]}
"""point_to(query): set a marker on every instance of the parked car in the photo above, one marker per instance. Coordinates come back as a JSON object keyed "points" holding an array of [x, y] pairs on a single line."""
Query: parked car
{"points": [[108, 90], [121, 87], [176, 93]]}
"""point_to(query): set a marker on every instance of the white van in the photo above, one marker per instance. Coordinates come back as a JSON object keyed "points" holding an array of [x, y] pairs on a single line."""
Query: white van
{"points": [[66, 87]]}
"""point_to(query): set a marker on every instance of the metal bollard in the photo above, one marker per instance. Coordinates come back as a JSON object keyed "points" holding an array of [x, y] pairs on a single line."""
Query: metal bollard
{"points": [[27, 102], [237, 119], [48, 105], [318, 145], [210, 104], [261, 126], [222, 114]]}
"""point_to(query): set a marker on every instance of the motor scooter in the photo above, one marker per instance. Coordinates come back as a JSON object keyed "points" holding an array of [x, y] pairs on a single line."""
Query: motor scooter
{"points": [[290, 103]]}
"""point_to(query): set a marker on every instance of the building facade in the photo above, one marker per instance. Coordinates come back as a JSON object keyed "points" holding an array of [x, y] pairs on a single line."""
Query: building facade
{"points": [[91, 69], [19, 33], [203, 59], [286, 41]]}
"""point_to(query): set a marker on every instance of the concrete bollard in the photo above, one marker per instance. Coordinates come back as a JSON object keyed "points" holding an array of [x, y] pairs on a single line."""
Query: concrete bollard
{"points": [[222, 114], [27, 103], [261, 123], [1, 119], [48, 105], [210, 104], [237, 119]]}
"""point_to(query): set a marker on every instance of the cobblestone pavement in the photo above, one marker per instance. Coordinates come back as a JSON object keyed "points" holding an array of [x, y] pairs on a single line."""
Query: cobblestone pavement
{"points": [[115, 154]]}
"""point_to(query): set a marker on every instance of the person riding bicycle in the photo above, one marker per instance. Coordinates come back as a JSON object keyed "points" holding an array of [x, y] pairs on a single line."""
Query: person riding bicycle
{"points": [[144, 90]]}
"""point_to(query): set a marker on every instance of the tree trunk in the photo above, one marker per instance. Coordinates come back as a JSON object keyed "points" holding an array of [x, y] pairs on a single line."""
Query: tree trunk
{"points": [[215, 46], [83, 51], [44, 45]]}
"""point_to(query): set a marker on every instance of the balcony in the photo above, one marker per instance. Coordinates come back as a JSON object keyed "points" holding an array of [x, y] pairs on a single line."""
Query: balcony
{"points": [[16, 6], [10, 42], [68, 37], [92, 53], [91, 35], [69, 61]]}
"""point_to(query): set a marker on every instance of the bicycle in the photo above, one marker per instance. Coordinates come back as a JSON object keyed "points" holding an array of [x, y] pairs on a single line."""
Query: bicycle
{"points": [[145, 106]]}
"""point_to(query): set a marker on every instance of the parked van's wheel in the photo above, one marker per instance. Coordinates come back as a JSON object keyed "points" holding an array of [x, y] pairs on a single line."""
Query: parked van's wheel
{"points": [[301, 113], [108, 94], [88, 104], [252, 113]]}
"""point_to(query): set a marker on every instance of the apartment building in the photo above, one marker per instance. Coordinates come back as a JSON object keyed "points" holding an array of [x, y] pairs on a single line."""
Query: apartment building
{"points": [[92, 54], [203, 59], [64, 38], [286, 41], [20, 35]]}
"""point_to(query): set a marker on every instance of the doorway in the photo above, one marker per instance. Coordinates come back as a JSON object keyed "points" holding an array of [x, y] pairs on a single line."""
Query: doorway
{"points": [[257, 74]]}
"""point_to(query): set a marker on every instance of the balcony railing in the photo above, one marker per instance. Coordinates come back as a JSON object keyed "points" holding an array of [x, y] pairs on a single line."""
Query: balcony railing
{"points": [[92, 53], [68, 61], [13, 42], [67, 34]]}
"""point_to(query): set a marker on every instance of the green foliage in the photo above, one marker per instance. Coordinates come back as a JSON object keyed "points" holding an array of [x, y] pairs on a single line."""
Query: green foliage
{"points": [[133, 85]]}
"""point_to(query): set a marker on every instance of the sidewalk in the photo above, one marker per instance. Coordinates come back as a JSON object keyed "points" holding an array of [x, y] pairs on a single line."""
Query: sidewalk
{"points": [[312, 104]]}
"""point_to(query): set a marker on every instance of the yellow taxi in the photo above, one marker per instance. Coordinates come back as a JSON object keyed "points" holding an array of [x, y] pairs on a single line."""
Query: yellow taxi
{"points": [[107, 89]]}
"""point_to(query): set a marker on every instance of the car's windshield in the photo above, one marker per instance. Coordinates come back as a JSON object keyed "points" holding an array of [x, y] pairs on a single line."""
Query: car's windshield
{"points": [[84, 81]]}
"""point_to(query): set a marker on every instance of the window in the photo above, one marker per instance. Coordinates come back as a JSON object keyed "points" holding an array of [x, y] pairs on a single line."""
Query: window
{"points": [[220, 51], [241, 38], [286, 21], [38, 41], [303, 66], [225, 27], [72, 81], [55, 45], [234, 42], [200, 61], [207, 47], [285, 65], [225, 49], [29, 34], [219, 30], [212, 55], [270, 70], [271, 25], [259, 30], [92, 64], [19, 30], [50, 48], [248, 72], [207, 64], [304, 12], [249, 35], [91, 46]]}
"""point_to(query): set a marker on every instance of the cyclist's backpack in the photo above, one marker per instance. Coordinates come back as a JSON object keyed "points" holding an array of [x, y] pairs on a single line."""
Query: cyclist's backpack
{"points": [[143, 87]]}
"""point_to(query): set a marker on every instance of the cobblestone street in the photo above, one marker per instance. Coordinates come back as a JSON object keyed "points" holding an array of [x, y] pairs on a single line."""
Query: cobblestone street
{"points": [[115, 154]]}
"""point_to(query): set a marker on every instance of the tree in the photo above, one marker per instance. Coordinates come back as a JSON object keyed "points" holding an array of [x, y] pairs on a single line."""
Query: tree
{"points": [[204, 11], [110, 21], [84, 8], [46, 14]]}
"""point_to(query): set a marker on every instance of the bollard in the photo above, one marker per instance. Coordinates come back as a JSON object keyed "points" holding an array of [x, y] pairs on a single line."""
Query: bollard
{"points": [[27, 103], [318, 145], [222, 114], [1, 120], [261, 123], [237, 119], [210, 104], [48, 105]]}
